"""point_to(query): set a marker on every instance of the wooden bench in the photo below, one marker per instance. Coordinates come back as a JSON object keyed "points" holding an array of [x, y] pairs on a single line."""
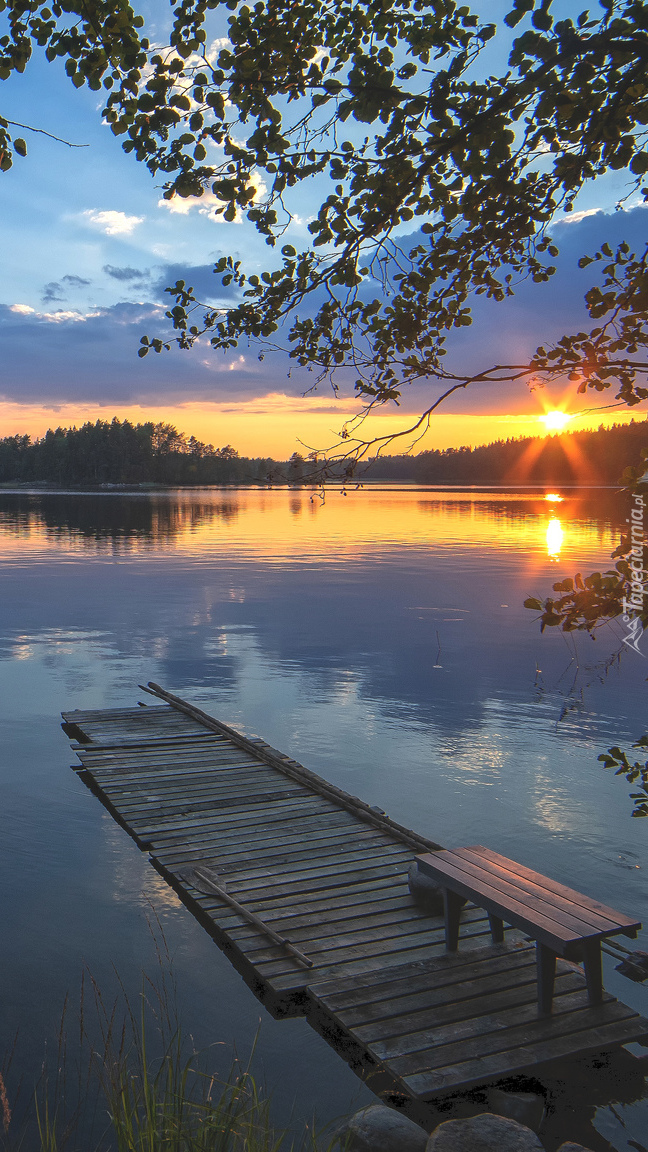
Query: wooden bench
{"points": [[561, 921]]}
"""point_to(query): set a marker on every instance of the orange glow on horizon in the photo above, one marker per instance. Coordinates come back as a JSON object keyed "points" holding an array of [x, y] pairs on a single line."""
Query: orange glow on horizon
{"points": [[278, 425]]}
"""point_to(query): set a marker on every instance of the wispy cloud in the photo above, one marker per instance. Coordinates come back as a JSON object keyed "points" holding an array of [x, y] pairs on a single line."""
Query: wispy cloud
{"points": [[111, 222], [574, 217], [61, 316], [55, 290], [75, 281], [126, 274], [52, 292]]}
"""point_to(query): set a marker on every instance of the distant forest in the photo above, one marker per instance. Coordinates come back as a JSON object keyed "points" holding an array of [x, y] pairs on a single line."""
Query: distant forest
{"points": [[120, 453], [597, 457]]}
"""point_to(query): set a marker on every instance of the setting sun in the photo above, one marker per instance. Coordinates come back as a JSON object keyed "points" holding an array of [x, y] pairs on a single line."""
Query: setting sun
{"points": [[555, 420]]}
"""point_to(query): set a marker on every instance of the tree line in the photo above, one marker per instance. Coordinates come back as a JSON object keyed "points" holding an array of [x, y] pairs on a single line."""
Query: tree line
{"points": [[119, 452], [586, 457]]}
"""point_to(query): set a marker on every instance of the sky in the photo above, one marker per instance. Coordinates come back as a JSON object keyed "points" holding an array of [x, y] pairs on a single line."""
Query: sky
{"points": [[88, 246]]}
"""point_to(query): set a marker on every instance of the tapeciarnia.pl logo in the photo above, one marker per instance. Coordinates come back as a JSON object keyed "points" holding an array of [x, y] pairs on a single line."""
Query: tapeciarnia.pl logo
{"points": [[636, 561]]}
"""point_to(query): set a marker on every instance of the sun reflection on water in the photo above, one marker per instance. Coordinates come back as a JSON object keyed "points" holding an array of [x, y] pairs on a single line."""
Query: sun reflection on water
{"points": [[204, 527], [555, 536]]}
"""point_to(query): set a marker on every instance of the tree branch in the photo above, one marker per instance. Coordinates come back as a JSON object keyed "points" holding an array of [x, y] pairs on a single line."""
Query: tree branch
{"points": [[59, 139]]}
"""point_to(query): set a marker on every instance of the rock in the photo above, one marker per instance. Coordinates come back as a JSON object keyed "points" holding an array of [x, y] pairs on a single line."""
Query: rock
{"points": [[571, 1147], [483, 1133], [380, 1129], [525, 1107], [424, 890]]}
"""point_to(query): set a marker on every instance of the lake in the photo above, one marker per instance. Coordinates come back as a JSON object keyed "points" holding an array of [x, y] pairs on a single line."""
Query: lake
{"points": [[379, 637]]}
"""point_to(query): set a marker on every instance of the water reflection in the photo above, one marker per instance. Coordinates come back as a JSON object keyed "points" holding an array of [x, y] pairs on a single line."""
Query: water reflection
{"points": [[379, 638], [92, 520], [272, 523], [555, 537]]}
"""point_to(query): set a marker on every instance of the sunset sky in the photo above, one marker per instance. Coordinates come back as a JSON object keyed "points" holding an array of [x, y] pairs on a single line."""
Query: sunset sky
{"points": [[89, 245]]}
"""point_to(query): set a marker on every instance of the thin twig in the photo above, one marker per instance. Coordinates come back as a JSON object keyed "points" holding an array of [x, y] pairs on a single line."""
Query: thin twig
{"points": [[59, 139]]}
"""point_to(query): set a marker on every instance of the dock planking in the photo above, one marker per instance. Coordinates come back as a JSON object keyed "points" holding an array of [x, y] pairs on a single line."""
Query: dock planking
{"points": [[329, 873]]}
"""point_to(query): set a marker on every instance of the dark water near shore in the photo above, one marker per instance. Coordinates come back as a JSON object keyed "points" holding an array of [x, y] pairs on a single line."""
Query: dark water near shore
{"points": [[380, 639]]}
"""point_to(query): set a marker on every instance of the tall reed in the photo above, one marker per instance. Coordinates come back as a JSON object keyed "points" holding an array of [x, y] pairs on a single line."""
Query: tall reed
{"points": [[139, 1085]]}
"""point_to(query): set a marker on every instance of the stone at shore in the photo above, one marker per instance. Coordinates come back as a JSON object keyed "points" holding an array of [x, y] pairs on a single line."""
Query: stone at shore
{"points": [[380, 1129], [525, 1107], [483, 1133]]}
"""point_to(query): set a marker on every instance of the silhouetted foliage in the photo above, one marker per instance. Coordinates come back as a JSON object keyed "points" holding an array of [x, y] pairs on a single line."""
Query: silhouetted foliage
{"points": [[118, 452]]}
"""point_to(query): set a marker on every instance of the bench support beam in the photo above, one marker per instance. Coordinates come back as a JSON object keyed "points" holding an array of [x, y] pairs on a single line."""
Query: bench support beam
{"points": [[497, 928], [546, 969], [593, 970], [452, 904]]}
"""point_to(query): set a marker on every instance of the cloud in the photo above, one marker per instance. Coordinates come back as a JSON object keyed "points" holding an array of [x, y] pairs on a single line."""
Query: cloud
{"points": [[206, 285], [91, 357], [183, 205], [53, 291], [111, 222], [575, 217], [75, 281], [59, 317], [126, 274]]}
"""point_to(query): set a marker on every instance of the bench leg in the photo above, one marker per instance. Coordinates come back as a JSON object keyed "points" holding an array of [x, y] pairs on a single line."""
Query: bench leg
{"points": [[452, 906], [546, 968], [593, 970], [497, 929]]}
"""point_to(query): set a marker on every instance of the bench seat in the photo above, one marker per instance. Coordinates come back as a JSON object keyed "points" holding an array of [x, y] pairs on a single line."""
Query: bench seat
{"points": [[563, 922]]}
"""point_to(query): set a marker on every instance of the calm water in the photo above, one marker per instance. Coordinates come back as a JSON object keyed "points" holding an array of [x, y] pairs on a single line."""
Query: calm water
{"points": [[378, 637]]}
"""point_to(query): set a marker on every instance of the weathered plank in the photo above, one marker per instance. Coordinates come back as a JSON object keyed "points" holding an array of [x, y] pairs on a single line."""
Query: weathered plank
{"points": [[324, 870], [468, 1019], [490, 860]]}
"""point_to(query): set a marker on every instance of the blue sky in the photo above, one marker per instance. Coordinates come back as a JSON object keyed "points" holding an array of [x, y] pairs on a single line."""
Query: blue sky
{"points": [[88, 245]]}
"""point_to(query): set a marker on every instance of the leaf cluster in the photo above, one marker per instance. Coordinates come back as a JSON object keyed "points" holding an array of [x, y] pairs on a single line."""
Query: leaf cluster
{"points": [[584, 603], [610, 353], [636, 773], [380, 98], [99, 42], [480, 166]]}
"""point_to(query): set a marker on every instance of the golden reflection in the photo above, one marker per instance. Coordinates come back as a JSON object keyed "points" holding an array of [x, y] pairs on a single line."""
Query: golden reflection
{"points": [[211, 527], [554, 538], [554, 498]]}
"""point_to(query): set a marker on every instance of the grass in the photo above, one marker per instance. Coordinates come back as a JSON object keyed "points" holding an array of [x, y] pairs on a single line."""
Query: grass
{"points": [[139, 1086]]}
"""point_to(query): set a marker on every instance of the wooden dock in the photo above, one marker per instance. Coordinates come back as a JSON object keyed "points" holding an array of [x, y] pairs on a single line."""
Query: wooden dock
{"points": [[329, 872]]}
